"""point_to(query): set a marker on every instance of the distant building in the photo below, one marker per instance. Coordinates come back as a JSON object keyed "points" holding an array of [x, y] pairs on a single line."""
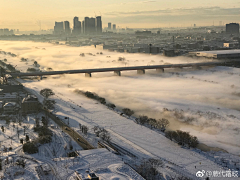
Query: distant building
{"points": [[67, 29], [114, 27], [98, 24], [232, 28], [30, 105], [143, 33], [169, 52], [109, 26], [231, 45], [58, 28], [76, 26], [6, 32]]}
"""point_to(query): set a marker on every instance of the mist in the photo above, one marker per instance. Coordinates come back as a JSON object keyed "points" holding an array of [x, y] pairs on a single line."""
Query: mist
{"points": [[203, 102]]}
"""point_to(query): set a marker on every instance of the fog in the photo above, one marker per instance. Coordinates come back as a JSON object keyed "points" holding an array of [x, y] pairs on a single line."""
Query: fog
{"points": [[203, 102]]}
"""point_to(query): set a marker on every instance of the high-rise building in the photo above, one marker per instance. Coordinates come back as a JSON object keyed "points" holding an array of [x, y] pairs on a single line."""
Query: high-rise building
{"points": [[232, 28], [67, 29], [91, 25], [98, 24], [76, 26], [109, 26], [58, 28], [83, 27], [86, 25], [114, 27]]}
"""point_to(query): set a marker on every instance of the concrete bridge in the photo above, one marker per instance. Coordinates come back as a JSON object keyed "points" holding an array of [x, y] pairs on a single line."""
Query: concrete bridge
{"points": [[117, 70]]}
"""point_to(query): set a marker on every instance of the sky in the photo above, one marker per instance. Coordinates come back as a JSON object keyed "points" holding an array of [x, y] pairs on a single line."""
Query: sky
{"points": [[27, 15]]}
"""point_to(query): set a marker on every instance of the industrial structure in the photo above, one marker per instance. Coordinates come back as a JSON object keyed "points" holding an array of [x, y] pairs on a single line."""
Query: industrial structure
{"points": [[219, 54]]}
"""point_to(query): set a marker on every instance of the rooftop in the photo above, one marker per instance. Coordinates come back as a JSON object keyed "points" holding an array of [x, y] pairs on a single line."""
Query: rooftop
{"points": [[232, 51]]}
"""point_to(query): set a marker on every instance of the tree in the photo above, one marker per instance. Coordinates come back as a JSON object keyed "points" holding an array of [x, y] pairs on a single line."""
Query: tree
{"points": [[3, 129], [37, 122], [142, 119], [127, 111], [30, 148], [45, 121], [148, 170], [27, 138], [105, 135], [162, 124], [47, 92], [49, 103], [7, 121], [152, 122], [35, 63], [21, 141]]}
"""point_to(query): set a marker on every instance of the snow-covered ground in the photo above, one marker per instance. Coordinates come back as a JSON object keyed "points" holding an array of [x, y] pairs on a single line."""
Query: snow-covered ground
{"points": [[210, 97]]}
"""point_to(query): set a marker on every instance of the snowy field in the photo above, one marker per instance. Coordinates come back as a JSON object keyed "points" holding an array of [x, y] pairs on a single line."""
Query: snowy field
{"points": [[208, 97]]}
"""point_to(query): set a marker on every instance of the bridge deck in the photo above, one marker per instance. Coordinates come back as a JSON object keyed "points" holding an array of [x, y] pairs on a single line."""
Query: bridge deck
{"points": [[117, 69]]}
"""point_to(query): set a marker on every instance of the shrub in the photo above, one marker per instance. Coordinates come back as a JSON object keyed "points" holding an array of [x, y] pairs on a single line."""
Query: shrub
{"points": [[72, 154], [89, 95], [127, 111], [30, 148], [112, 106], [45, 139], [31, 69]]}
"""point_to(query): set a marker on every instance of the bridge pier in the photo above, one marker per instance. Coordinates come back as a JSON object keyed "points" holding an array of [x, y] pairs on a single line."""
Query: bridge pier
{"points": [[88, 74], [141, 71], [117, 73], [160, 70]]}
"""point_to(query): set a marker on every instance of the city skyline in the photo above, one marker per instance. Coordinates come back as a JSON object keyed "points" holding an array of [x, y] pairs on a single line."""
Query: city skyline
{"points": [[25, 15]]}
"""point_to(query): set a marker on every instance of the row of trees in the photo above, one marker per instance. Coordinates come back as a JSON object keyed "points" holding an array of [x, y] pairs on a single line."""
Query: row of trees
{"points": [[160, 124], [182, 138], [8, 53], [8, 66], [95, 96]]}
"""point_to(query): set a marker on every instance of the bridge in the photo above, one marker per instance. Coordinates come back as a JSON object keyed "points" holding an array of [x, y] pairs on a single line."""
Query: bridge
{"points": [[117, 70]]}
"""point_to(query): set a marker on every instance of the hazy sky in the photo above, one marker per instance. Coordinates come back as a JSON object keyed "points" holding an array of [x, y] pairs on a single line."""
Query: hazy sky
{"points": [[26, 14]]}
